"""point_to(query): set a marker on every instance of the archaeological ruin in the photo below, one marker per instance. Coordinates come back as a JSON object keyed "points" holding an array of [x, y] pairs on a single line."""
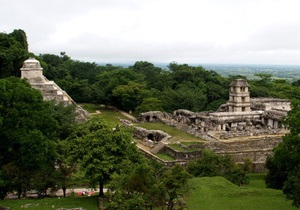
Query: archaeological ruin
{"points": [[33, 72], [244, 127]]}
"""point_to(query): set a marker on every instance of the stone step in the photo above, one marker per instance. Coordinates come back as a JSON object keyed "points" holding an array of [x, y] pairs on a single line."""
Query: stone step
{"points": [[157, 148]]}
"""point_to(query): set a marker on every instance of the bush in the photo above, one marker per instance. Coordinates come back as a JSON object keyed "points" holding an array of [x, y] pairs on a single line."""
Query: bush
{"points": [[211, 164]]}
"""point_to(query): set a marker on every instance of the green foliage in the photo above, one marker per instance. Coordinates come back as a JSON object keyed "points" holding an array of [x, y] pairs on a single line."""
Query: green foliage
{"points": [[135, 188], [211, 164], [102, 150], [128, 95], [283, 165], [29, 130], [174, 181], [144, 186], [13, 51], [150, 104]]}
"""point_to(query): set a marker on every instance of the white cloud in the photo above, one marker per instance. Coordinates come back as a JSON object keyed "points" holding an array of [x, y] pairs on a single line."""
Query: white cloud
{"points": [[231, 31]]}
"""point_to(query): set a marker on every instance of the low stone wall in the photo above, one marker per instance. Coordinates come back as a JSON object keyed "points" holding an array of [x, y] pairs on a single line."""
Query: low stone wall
{"points": [[256, 150], [166, 163], [181, 155]]}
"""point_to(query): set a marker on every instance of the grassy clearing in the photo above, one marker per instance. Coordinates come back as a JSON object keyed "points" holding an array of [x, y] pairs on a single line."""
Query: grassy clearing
{"points": [[111, 116], [91, 108], [88, 203], [165, 157], [180, 135], [218, 193], [257, 180]]}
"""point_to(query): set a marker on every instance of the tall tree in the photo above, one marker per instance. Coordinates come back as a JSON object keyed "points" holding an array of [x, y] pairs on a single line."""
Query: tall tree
{"points": [[27, 132], [102, 150], [284, 164], [13, 51]]}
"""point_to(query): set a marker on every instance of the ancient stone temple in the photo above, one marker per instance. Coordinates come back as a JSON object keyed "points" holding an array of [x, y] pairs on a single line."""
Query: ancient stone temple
{"points": [[33, 72]]}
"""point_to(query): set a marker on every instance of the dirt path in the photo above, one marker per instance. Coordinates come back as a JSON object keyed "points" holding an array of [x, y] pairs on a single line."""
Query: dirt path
{"points": [[127, 115]]}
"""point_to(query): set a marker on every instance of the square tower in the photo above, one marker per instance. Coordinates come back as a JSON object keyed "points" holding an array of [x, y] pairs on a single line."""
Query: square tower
{"points": [[239, 96]]}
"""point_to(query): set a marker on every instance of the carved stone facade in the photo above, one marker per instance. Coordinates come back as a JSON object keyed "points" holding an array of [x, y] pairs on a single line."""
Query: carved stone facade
{"points": [[33, 72]]}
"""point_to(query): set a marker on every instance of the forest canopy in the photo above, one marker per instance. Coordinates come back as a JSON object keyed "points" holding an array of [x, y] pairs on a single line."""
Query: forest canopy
{"points": [[138, 88]]}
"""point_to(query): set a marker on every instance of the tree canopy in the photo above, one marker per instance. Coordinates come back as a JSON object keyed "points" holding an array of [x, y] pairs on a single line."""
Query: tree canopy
{"points": [[13, 51], [284, 164], [29, 130], [102, 150]]}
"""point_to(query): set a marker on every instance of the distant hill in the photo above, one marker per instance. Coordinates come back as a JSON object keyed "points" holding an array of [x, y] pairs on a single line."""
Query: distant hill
{"points": [[288, 72]]}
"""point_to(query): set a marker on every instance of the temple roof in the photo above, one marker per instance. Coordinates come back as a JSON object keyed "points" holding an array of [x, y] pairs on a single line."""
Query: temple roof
{"points": [[239, 83], [31, 63]]}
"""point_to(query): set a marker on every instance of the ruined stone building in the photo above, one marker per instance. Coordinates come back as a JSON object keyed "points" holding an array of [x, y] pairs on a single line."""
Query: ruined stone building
{"points": [[247, 128], [240, 116], [33, 72]]}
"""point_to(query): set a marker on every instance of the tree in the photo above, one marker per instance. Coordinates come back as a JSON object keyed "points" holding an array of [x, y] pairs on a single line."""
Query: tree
{"points": [[27, 132], [136, 187], [150, 104], [13, 51], [102, 150], [283, 165], [107, 81], [129, 95], [211, 164], [186, 96], [174, 181], [145, 186]]}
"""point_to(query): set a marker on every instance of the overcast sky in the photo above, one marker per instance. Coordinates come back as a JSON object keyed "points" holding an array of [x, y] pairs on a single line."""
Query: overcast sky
{"points": [[184, 31]]}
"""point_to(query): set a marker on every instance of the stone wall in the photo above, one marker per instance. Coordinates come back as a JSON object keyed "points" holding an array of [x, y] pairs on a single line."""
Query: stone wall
{"points": [[182, 155], [257, 150]]}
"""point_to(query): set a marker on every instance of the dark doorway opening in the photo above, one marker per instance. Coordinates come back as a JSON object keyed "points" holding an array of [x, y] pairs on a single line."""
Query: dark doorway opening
{"points": [[150, 136]]}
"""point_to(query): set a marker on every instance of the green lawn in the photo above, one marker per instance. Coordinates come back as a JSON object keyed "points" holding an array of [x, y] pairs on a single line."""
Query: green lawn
{"points": [[110, 115], [87, 203], [205, 193], [175, 133], [211, 193], [165, 157]]}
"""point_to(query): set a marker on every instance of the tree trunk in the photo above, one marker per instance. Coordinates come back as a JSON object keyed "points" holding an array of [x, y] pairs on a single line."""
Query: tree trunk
{"points": [[101, 186], [64, 191], [171, 204]]}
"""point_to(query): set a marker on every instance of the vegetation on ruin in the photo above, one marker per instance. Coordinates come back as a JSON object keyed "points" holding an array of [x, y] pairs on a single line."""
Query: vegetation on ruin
{"points": [[283, 165]]}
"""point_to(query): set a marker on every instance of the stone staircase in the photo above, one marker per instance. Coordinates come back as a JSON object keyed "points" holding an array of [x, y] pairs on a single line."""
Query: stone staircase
{"points": [[33, 72], [158, 147], [52, 92]]}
